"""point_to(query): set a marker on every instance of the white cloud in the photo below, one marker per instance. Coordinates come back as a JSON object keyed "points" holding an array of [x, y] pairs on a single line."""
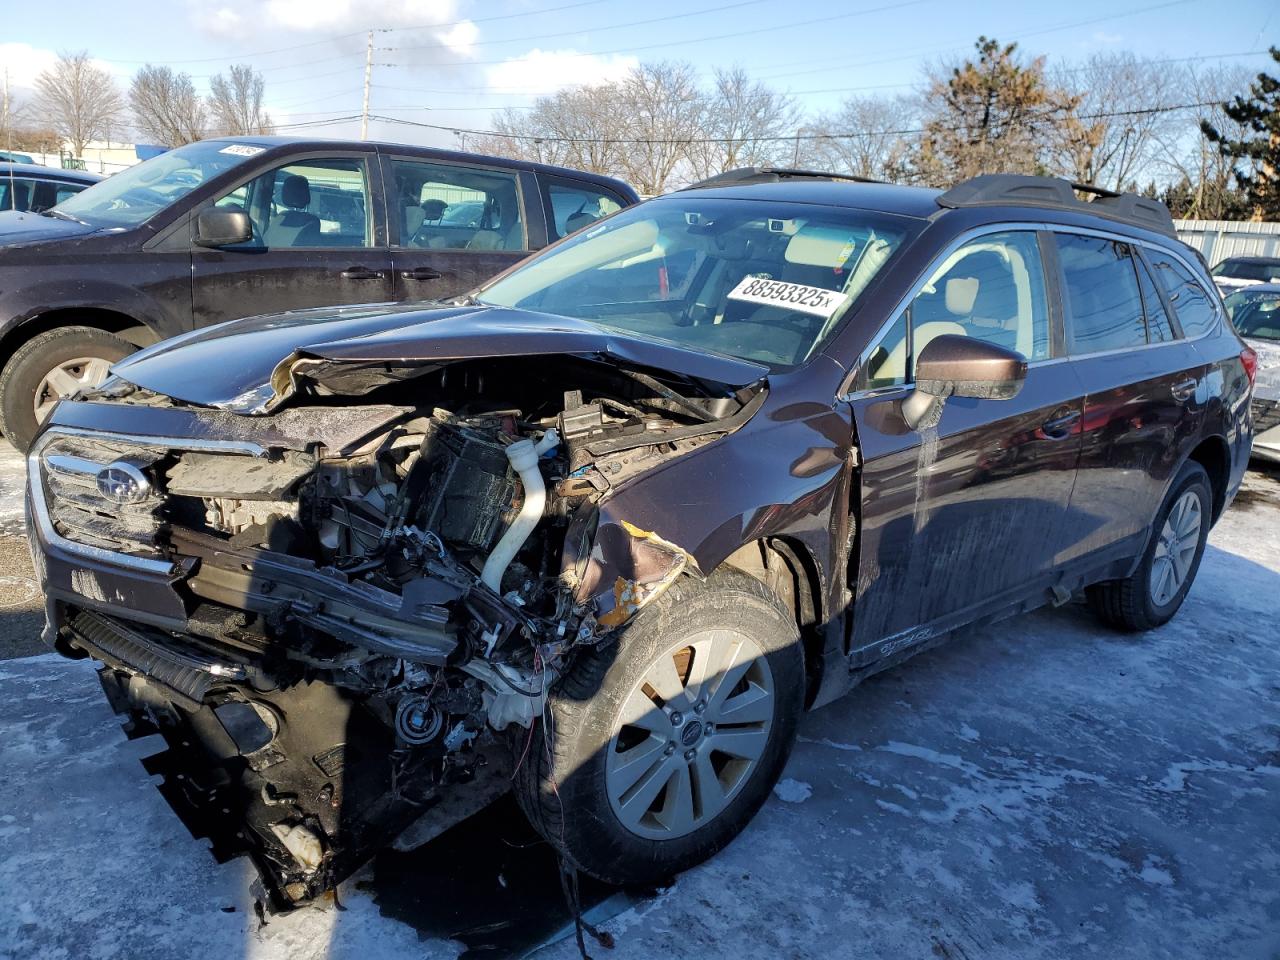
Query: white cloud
{"points": [[461, 37], [230, 18], [545, 71], [24, 63]]}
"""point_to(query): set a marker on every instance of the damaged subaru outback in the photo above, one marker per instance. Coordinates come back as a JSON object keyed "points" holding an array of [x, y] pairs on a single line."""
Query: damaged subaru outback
{"points": [[604, 528]]}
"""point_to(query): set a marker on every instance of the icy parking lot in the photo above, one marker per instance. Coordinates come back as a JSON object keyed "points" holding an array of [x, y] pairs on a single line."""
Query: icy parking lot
{"points": [[1041, 789]]}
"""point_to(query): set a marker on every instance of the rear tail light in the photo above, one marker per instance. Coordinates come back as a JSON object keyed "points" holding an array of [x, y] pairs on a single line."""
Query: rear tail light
{"points": [[1249, 360]]}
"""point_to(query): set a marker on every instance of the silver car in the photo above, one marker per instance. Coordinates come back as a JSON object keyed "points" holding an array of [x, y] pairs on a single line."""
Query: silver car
{"points": [[1255, 312]]}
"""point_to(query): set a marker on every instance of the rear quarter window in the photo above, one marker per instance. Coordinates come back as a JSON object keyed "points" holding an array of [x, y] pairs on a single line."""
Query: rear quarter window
{"points": [[1196, 313]]}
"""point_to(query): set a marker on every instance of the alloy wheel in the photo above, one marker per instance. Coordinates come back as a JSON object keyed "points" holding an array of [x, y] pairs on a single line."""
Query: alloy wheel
{"points": [[65, 379], [1176, 548], [690, 732]]}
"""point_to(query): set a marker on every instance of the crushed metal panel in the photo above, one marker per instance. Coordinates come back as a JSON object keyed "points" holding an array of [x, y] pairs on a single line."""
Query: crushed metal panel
{"points": [[628, 568]]}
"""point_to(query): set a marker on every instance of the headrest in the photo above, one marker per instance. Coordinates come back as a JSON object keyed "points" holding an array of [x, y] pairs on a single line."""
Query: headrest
{"points": [[576, 221], [813, 246], [433, 209], [961, 292], [295, 192]]}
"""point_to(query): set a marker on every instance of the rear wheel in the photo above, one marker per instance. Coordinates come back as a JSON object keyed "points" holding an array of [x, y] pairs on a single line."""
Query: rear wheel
{"points": [[49, 367], [657, 751], [1153, 593]]}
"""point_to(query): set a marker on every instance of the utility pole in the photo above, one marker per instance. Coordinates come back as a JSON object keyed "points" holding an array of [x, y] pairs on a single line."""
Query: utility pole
{"points": [[368, 73]]}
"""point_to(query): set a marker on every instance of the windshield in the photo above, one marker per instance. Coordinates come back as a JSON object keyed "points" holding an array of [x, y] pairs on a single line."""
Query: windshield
{"points": [[1248, 270], [763, 281], [1255, 313], [135, 195]]}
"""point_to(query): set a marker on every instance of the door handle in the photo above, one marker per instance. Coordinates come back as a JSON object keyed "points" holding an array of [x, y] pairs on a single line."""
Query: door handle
{"points": [[420, 273], [1059, 428], [361, 273], [1182, 391]]}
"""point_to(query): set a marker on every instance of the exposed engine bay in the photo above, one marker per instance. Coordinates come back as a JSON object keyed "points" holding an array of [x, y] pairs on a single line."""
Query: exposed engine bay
{"points": [[374, 617]]}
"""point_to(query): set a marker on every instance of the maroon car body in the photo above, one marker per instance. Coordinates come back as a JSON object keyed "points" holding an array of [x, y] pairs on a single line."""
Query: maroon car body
{"points": [[880, 528]]}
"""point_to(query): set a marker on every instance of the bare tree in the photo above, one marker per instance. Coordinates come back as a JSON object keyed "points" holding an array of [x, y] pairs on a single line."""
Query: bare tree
{"points": [[1113, 137], [662, 112], [166, 107], [743, 125], [575, 127], [236, 103], [1197, 172], [866, 137], [79, 99]]}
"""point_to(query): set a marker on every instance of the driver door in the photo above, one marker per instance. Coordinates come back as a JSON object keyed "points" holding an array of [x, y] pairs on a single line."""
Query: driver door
{"points": [[319, 239], [968, 514]]}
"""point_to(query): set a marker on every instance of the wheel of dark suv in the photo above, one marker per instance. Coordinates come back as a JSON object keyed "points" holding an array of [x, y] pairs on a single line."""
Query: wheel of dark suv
{"points": [[656, 751], [1155, 591], [49, 367]]}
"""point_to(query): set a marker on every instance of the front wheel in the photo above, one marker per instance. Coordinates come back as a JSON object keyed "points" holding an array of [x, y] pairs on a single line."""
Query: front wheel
{"points": [[1154, 592], [49, 367], [658, 750]]}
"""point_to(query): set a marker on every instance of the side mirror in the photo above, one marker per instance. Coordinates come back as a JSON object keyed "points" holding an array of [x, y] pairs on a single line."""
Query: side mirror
{"points": [[222, 227], [953, 365]]}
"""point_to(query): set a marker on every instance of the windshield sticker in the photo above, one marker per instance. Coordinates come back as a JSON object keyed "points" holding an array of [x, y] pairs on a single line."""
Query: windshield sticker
{"points": [[242, 150], [792, 296]]}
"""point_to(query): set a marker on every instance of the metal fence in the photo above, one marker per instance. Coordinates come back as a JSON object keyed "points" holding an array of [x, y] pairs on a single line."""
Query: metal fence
{"points": [[1219, 239]]}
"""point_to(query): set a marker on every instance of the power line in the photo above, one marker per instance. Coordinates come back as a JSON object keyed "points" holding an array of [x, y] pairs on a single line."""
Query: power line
{"points": [[356, 33], [597, 29], [782, 138]]}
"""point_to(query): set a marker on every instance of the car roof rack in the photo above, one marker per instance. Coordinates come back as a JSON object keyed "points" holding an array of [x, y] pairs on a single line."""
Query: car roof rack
{"points": [[746, 175], [1004, 189]]}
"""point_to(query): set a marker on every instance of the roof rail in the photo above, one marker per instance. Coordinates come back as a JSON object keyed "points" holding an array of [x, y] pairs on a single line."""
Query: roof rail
{"points": [[1004, 189], [745, 175]]}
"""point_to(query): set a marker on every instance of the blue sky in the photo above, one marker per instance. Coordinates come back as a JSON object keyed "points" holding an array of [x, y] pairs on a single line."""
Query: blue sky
{"points": [[450, 62]]}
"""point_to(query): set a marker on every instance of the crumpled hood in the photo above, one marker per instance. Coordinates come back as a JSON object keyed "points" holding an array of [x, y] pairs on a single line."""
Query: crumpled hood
{"points": [[1267, 383], [230, 365], [22, 228]]}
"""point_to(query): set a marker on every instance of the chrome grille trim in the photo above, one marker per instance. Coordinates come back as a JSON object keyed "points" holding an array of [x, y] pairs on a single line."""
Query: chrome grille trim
{"points": [[81, 474]]}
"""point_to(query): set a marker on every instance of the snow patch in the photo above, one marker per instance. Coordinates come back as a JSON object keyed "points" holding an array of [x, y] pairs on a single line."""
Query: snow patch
{"points": [[968, 734], [792, 791]]}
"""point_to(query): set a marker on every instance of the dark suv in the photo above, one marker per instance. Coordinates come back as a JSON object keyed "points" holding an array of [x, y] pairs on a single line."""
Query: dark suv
{"points": [[223, 228], [617, 517]]}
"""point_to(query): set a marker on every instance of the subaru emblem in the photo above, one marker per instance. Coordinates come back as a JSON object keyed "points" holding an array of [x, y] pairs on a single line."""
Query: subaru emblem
{"points": [[123, 482]]}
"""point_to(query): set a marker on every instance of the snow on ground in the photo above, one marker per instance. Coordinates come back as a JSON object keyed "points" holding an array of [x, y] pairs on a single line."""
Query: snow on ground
{"points": [[1041, 789]]}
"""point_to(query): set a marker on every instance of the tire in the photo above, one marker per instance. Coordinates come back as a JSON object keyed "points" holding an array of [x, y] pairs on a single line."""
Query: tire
{"points": [[32, 363], [563, 772], [1142, 601]]}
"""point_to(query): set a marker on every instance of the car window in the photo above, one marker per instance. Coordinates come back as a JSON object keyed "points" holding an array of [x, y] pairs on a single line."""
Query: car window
{"points": [[1263, 270], [15, 193], [444, 206], [1100, 294], [1191, 304], [767, 281], [1159, 329], [307, 203], [133, 196], [574, 206], [1255, 313]]}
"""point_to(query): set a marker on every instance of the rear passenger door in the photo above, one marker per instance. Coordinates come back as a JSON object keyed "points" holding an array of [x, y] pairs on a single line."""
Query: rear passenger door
{"points": [[454, 225], [319, 239], [970, 514], [1143, 393]]}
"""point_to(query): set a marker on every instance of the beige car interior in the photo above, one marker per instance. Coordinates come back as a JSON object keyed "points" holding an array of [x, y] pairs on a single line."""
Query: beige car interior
{"points": [[987, 291]]}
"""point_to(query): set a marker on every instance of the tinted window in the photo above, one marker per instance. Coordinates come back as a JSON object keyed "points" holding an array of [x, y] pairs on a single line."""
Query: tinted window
{"points": [[1100, 294], [574, 206], [308, 203], [1191, 304], [443, 206], [1158, 327]]}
